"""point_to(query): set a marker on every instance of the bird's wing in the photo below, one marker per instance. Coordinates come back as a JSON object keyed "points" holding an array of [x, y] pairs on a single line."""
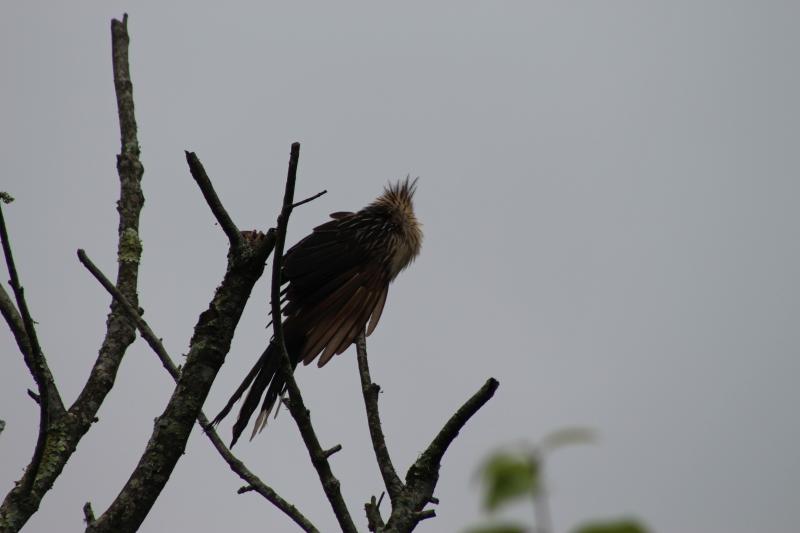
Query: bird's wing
{"points": [[334, 287]]}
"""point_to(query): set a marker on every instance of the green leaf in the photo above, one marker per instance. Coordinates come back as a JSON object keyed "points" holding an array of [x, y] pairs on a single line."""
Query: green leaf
{"points": [[498, 528], [568, 436], [625, 525], [507, 477]]}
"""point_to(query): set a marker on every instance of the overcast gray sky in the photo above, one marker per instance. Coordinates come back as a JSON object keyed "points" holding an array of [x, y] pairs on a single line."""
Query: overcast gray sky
{"points": [[609, 196]]}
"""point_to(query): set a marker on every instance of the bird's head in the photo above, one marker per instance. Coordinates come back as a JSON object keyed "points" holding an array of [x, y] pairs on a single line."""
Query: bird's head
{"points": [[397, 202]]}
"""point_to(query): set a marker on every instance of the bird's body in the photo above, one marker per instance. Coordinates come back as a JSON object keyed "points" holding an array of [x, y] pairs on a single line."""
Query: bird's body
{"points": [[337, 280]]}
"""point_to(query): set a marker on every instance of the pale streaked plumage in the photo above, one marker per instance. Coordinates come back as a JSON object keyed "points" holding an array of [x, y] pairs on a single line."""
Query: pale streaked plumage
{"points": [[337, 280]]}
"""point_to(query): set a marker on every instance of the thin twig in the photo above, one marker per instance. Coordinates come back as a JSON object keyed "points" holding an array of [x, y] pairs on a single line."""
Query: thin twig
{"points": [[371, 390], [309, 199], [254, 482], [14, 321], [18, 506], [373, 511], [222, 216], [49, 398], [330, 451], [141, 325], [297, 408], [19, 295], [423, 475], [88, 513], [435, 451], [35, 397]]}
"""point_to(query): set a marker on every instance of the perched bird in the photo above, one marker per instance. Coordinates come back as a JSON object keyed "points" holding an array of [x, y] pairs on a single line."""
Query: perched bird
{"points": [[336, 282]]}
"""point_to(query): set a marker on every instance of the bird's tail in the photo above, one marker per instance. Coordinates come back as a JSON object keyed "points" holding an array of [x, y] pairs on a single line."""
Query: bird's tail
{"points": [[264, 376]]}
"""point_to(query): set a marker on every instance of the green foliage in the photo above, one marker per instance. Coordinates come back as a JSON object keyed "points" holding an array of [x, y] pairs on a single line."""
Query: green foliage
{"points": [[498, 528], [507, 477], [5, 197], [625, 525], [567, 437], [511, 475]]}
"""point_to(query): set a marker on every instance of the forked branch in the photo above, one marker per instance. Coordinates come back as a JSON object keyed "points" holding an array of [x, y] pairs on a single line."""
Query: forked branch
{"points": [[253, 482], [207, 350], [64, 432], [21, 324], [370, 391], [297, 407]]}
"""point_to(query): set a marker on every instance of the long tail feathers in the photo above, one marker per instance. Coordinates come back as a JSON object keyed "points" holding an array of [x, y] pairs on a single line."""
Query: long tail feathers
{"points": [[239, 391], [264, 376]]}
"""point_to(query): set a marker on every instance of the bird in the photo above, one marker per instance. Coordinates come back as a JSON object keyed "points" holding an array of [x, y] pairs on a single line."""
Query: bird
{"points": [[335, 282]]}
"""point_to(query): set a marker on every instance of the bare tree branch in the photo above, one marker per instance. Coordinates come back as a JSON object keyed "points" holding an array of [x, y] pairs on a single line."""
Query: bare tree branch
{"points": [[50, 404], [309, 199], [254, 483], [88, 513], [61, 431], [120, 331], [409, 499], [64, 431], [34, 357], [370, 390], [208, 347], [141, 325], [199, 174], [373, 511], [435, 451], [15, 324], [297, 407], [423, 475]]}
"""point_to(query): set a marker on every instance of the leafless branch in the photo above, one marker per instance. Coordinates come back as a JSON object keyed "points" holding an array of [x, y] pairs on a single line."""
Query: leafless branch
{"points": [[371, 390], [423, 475], [15, 324], [373, 511], [50, 404], [309, 199], [207, 349], [88, 513], [64, 432], [225, 221], [254, 483], [297, 407], [435, 451], [34, 358], [120, 331], [330, 451], [133, 314]]}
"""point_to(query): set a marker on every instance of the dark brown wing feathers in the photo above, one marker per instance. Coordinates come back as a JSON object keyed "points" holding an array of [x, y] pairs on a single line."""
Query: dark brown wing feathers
{"points": [[331, 293], [337, 281]]}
